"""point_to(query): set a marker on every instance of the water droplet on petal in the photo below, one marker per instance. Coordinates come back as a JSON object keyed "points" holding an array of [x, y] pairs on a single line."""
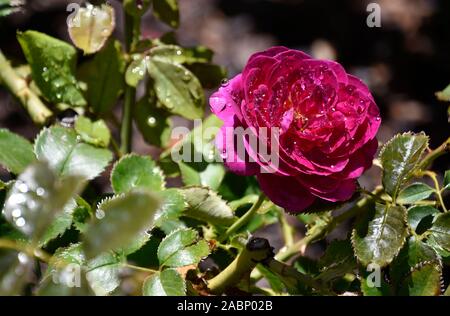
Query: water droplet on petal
{"points": [[378, 118], [332, 166], [224, 82]]}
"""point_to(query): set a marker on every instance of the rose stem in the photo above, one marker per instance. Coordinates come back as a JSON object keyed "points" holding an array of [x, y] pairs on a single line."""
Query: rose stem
{"points": [[37, 110], [132, 33], [255, 251], [244, 219]]}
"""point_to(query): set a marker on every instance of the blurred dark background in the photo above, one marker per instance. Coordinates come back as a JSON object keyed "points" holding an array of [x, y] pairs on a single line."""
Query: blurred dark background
{"points": [[404, 62]]}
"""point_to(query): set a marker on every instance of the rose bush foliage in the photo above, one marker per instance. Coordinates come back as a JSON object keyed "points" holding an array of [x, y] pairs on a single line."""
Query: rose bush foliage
{"points": [[76, 199]]}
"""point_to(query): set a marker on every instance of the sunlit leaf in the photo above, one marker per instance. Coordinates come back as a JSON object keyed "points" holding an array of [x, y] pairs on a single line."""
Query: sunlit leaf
{"points": [[399, 158], [119, 221], [165, 283], [96, 133], [181, 248], [37, 197], [91, 27], [53, 67], [133, 171], [177, 88], [379, 237], [204, 204], [67, 155]]}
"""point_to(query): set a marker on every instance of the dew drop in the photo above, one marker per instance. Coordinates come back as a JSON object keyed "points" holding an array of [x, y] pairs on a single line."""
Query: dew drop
{"points": [[45, 69], [16, 212], [179, 52], [17, 198], [22, 187], [332, 166], [333, 109], [378, 118], [20, 222], [105, 32], [225, 82], [99, 214], [23, 258], [40, 191], [151, 121]]}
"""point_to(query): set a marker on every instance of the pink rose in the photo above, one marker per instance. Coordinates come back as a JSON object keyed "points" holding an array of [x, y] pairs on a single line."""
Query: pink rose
{"points": [[327, 122]]}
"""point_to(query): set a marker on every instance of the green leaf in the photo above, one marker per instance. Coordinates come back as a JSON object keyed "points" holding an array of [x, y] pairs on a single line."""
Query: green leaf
{"points": [[447, 180], [412, 255], [444, 95], [399, 158], [204, 204], [136, 70], [166, 283], [91, 27], [370, 289], [133, 171], [103, 273], [167, 11], [53, 67], [16, 153], [171, 208], [60, 224], [418, 215], [96, 133], [104, 78], [440, 231], [181, 248], [424, 280], [36, 198], [177, 88], [81, 215], [337, 261], [65, 275], [378, 238], [119, 221], [414, 192], [61, 148], [180, 55], [154, 123]]}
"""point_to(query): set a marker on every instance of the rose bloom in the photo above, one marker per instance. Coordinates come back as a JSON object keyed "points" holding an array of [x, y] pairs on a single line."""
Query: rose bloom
{"points": [[327, 122]]}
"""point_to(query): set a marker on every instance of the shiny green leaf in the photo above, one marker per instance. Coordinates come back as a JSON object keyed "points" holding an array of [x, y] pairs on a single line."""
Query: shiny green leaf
{"points": [[64, 152], [379, 237], [37, 197], [399, 158], [181, 248], [103, 75], [440, 231], [166, 283], [204, 204], [414, 192], [177, 88], [96, 133], [53, 67], [418, 215], [16, 153], [133, 171], [119, 221]]}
